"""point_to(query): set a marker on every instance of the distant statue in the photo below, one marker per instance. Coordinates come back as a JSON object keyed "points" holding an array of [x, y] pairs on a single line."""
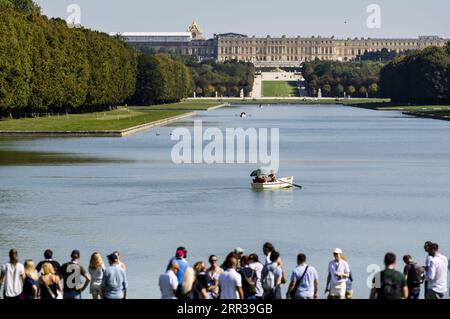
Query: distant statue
{"points": [[319, 94], [242, 93], [195, 95]]}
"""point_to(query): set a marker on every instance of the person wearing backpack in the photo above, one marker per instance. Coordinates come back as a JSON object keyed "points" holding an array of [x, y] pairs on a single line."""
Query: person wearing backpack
{"points": [[271, 277], [304, 281], [389, 283], [414, 275], [249, 278]]}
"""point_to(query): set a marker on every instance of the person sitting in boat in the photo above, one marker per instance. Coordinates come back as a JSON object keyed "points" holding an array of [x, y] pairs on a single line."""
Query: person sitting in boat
{"points": [[260, 179], [273, 177]]}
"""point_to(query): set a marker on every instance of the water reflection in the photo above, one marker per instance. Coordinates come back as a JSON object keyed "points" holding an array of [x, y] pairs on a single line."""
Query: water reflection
{"points": [[18, 158]]}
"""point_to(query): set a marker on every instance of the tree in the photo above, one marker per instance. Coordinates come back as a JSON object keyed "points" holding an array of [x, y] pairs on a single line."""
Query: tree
{"points": [[327, 90], [362, 91], [351, 90], [25, 6], [198, 91], [209, 90], [421, 77], [47, 66], [320, 73], [373, 90], [338, 90]]}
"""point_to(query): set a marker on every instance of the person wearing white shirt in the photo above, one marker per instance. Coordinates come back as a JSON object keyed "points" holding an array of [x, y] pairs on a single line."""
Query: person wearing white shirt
{"points": [[168, 282], [338, 274], [230, 281], [12, 274], [258, 267], [437, 274]]}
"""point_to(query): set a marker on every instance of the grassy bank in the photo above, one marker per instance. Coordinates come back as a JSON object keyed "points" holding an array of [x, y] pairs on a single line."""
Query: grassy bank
{"points": [[439, 112], [102, 121], [197, 105], [116, 120]]}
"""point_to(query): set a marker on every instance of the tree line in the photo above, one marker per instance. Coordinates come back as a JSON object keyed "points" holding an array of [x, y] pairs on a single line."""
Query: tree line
{"points": [[356, 79], [161, 79], [227, 79], [47, 66], [422, 77]]}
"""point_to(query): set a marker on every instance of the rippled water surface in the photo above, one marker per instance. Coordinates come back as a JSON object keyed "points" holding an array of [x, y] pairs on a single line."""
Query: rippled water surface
{"points": [[373, 182]]}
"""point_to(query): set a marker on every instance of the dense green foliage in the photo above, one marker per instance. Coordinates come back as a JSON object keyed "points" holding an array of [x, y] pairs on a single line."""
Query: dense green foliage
{"points": [[421, 77], [383, 55], [45, 66], [25, 6], [334, 78], [161, 79], [227, 79]]}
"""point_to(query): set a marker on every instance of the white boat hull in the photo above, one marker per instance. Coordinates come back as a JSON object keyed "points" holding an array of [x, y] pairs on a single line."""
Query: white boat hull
{"points": [[281, 183]]}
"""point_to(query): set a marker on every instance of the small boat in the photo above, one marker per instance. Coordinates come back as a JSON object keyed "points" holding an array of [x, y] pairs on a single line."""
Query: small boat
{"points": [[285, 182]]}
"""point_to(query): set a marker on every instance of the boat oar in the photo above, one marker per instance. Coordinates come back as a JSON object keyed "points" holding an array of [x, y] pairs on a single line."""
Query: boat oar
{"points": [[296, 185]]}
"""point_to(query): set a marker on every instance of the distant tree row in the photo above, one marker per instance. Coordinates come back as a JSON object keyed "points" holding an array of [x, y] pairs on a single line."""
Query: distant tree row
{"points": [[161, 79], [421, 77], [46, 66], [227, 79], [357, 79], [383, 55]]}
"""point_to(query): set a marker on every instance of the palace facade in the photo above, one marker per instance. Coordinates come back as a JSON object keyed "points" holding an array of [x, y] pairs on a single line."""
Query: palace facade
{"points": [[270, 51]]}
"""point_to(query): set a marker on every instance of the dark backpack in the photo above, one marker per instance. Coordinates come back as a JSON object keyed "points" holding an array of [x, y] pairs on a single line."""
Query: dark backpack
{"points": [[390, 287], [249, 282], [415, 275]]}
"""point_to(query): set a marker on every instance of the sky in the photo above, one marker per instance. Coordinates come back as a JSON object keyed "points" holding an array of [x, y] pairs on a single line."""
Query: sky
{"points": [[339, 18]]}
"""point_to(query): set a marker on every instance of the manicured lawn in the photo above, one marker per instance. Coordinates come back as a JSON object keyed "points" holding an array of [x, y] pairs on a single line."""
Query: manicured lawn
{"points": [[279, 88], [101, 121], [188, 105]]}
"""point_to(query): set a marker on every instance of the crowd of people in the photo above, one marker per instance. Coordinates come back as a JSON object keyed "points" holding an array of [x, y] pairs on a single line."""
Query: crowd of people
{"points": [[51, 280], [246, 277], [240, 276]]}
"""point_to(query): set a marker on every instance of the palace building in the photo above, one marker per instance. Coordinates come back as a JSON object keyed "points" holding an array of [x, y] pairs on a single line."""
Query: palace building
{"points": [[270, 51]]}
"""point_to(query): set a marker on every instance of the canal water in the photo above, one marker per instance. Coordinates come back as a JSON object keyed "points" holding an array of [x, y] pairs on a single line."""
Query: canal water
{"points": [[373, 182]]}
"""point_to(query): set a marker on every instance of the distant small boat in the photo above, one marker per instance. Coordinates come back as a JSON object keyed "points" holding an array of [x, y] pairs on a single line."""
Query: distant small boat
{"points": [[285, 182]]}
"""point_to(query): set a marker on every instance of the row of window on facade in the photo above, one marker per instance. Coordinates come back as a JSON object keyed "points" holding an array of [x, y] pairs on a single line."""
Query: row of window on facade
{"points": [[338, 42]]}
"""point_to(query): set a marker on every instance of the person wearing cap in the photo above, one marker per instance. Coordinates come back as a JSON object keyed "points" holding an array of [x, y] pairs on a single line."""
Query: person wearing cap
{"points": [[73, 274], [338, 274], [180, 259], [114, 282]]}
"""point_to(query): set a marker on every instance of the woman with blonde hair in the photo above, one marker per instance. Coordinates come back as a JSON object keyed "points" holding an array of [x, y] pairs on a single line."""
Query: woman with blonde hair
{"points": [[31, 282], [200, 289], [349, 283], [187, 284], [49, 283], [96, 270]]}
